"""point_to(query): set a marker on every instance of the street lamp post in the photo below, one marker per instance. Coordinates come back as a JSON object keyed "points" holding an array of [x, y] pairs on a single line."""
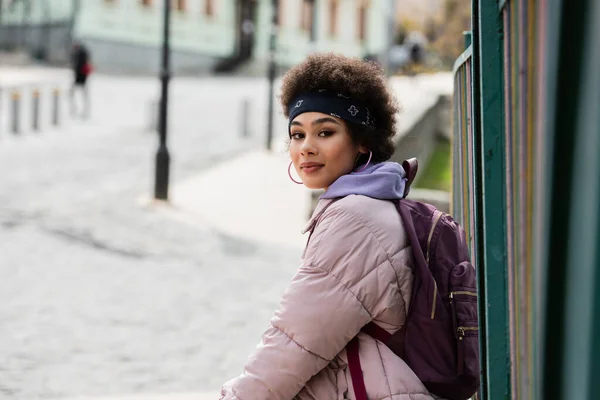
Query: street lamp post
{"points": [[1, 16], [271, 72], [161, 185]]}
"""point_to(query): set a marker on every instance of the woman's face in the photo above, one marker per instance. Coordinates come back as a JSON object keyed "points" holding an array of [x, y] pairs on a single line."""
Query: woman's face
{"points": [[321, 149]]}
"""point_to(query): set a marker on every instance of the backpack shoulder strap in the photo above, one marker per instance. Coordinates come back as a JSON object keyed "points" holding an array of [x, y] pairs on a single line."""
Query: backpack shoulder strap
{"points": [[409, 227], [410, 166], [356, 374]]}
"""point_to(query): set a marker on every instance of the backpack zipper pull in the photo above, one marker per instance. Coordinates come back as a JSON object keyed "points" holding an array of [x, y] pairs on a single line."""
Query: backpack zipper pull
{"points": [[460, 361], [461, 333]]}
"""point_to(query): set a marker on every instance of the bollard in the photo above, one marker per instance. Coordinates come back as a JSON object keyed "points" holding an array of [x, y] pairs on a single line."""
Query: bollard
{"points": [[55, 106], [15, 106], [154, 110], [35, 114], [244, 118]]}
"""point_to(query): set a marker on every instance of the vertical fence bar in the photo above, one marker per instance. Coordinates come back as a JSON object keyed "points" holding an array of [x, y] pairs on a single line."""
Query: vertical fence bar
{"points": [[522, 99], [479, 227], [511, 119], [489, 111], [545, 34]]}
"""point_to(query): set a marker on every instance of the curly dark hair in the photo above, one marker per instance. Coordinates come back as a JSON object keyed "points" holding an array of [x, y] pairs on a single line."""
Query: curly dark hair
{"points": [[353, 77]]}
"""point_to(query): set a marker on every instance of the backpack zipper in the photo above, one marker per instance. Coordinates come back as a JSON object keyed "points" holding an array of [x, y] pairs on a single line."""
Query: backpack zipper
{"points": [[461, 330], [435, 222], [435, 288], [463, 292], [460, 359]]}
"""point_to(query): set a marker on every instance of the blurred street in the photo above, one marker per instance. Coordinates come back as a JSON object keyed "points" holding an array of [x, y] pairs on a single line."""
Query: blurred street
{"points": [[107, 292], [103, 291]]}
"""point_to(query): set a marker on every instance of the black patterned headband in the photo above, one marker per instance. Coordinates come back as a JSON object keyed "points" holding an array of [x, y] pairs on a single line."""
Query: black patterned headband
{"points": [[335, 104]]}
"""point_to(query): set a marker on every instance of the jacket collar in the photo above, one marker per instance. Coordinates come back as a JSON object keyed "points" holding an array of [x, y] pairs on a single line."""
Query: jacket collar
{"points": [[319, 210]]}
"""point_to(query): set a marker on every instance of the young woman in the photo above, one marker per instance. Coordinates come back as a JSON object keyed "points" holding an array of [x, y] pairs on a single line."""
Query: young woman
{"points": [[356, 267]]}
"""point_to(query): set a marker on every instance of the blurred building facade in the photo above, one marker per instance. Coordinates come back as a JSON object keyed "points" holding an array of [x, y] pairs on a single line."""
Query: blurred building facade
{"points": [[206, 35]]}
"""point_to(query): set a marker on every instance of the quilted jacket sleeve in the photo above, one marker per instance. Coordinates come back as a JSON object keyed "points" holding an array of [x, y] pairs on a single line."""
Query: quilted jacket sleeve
{"points": [[324, 307]]}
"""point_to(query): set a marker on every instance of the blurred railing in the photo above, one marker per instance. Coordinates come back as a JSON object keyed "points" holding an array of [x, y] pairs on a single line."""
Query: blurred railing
{"points": [[464, 187], [463, 193]]}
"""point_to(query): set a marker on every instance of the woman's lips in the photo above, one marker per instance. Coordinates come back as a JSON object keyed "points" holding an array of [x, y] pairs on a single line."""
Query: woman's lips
{"points": [[311, 169]]}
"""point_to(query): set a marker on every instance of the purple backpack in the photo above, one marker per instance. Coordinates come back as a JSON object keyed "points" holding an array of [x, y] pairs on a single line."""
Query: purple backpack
{"points": [[440, 339]]}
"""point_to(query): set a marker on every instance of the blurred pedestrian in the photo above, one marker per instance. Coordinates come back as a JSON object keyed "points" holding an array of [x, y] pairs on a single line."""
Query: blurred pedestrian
{"points": [[82, 68], [357, 266]]}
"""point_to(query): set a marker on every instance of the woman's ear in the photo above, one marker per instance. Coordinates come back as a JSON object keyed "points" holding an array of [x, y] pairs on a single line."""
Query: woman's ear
{"points": [[363, 149]]}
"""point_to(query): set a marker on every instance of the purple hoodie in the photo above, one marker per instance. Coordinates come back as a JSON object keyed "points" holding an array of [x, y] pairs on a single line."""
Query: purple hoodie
{"points": [[383, 181]]}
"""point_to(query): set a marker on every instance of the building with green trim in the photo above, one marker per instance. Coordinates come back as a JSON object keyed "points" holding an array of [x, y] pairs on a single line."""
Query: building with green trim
{"points": [[206, 35]]}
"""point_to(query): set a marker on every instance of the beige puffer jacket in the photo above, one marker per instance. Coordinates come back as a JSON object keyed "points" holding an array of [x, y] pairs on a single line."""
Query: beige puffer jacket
{"points": [[356, 268]]}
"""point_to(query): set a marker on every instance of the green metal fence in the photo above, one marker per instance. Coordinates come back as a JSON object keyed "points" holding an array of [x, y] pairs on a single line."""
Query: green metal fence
{"points": [[526, 188]]}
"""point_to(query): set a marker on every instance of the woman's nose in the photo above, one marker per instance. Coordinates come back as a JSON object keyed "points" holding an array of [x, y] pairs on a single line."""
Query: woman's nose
{"points": [[308, 146]]}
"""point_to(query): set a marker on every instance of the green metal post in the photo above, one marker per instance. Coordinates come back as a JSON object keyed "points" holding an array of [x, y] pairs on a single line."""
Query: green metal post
{"points": [[571, 359], [468, 35], [478, 200], [488, 102]]}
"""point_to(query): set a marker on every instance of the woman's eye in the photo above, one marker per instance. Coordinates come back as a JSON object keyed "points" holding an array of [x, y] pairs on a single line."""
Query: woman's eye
{"points": [[297, 136], [325, 133]]}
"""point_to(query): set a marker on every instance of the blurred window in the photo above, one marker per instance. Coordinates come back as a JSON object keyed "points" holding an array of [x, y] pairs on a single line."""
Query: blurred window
{"points": [[362, 20], [209, 8], [333, 17], [179, 5], [306, 15], [281, 13]]}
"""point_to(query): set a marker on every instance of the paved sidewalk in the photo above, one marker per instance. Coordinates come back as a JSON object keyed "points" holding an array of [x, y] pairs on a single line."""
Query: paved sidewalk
{"points": [[251, 197]]}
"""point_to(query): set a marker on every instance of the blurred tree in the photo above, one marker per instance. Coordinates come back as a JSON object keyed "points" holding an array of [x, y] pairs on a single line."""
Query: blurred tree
{"points": [[404, 27], [447, 30], [400, 34]]}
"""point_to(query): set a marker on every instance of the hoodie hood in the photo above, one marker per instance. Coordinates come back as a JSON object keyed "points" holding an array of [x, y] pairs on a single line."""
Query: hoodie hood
{"points": [[384, 181]]}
